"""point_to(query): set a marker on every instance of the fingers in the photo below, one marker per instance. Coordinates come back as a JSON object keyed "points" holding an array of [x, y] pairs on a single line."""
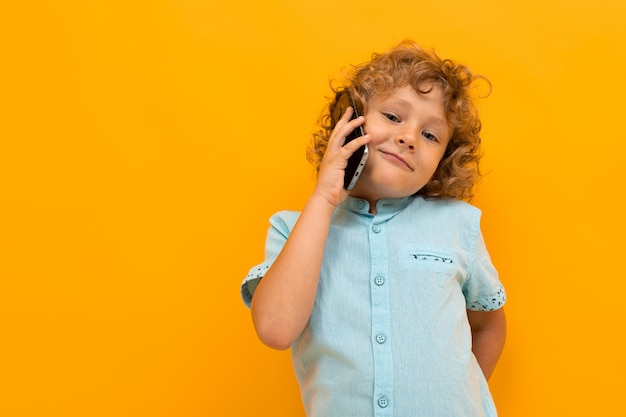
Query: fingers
{"points": [[344, 152], [330, 179], [343, 128]]}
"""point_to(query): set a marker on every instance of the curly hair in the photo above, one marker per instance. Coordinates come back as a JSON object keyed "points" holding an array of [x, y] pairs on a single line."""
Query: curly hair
{"points": [[409, 64]]}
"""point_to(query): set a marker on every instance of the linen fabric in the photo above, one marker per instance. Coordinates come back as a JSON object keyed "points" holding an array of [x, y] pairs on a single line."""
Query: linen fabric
{"points": [[389, 334]]}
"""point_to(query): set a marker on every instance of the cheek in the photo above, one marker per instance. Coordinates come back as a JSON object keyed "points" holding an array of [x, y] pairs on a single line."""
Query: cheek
{"points": [[430, 161], [434, 162], [375, 132]]}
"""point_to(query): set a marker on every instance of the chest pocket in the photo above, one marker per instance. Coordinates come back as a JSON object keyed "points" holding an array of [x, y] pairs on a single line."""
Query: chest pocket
{"points": [[430, 270], [428, 282]]}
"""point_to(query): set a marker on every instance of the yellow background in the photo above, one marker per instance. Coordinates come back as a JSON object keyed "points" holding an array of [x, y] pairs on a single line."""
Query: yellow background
{"points": [[144, 144]]}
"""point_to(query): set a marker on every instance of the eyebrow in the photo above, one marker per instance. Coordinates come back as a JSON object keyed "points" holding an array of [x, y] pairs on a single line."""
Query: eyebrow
{"points": [[441, 123]]}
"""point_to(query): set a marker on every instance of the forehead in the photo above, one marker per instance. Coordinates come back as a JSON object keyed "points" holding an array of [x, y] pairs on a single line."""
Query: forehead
{"points": [[431, 92]]}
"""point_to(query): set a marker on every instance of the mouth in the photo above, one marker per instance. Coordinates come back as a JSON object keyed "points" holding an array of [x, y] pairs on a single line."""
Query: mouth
{"points": [[397, 159]]}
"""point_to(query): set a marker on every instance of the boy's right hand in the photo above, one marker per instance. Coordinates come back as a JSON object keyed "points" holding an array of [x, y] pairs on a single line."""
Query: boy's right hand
{"points": [[332, 168]]}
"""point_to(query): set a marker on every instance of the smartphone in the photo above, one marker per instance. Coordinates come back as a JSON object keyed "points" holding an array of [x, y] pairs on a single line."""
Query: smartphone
{"points": [[357, 160]]}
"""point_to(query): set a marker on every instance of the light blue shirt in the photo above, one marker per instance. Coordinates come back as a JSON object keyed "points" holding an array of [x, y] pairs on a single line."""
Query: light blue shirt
{"points": [[389, 334]]}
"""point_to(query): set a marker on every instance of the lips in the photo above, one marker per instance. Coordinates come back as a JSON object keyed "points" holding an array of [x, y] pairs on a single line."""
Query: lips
{"points": [[397, 159]]}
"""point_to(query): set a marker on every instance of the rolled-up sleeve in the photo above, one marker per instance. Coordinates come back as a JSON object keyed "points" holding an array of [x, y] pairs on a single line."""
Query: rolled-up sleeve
{"points": [[483, 290], [281, 225]]}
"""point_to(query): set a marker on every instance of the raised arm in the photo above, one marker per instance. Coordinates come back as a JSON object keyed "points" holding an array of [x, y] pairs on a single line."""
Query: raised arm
{"points": [[284, 299], [488, 335]]}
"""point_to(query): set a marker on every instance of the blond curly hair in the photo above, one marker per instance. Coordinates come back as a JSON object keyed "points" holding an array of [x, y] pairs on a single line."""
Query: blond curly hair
{"points": [[409, 64]]}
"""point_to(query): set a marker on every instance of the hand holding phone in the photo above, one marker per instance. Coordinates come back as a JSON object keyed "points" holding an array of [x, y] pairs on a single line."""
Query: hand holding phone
{"points": [[357, 160]]}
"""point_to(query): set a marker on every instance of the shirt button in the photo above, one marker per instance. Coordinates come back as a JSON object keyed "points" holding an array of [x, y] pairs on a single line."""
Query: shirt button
{"points": [[379, 281], [381, 339], [376, 229], [383, 402], [360, 204]]}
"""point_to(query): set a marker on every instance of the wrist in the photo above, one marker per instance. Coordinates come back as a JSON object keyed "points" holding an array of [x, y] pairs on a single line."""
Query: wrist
{"points": [[321, 204]]}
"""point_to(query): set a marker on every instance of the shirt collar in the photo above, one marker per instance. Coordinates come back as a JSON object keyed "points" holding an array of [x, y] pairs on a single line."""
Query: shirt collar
{"points": [[384, 206]]}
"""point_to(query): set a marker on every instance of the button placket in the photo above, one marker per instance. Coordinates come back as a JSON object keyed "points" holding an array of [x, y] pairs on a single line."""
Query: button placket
{"points": [[381, 323]]}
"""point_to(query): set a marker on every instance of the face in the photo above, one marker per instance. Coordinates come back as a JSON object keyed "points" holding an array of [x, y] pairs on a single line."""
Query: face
{"points": [[409, 134]]}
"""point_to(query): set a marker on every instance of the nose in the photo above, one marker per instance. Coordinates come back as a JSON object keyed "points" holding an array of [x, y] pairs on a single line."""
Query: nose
{"points": [[406, 137], [406, 141]]}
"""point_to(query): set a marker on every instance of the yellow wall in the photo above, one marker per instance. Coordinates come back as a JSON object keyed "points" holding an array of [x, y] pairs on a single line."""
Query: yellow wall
{"points": [[144, 144]]}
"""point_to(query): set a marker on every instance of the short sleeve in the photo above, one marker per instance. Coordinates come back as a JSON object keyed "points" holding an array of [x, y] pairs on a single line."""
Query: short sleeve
{"points": [[281, 225], [483, 290]]}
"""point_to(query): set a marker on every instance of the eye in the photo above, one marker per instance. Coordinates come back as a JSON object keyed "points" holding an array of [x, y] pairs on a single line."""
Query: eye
{"points": [[429, 136], [391, 117]]}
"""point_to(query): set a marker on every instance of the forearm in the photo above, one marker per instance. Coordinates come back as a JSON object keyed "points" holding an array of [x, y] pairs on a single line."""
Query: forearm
{"points": [[488, 337], [284, 298]]}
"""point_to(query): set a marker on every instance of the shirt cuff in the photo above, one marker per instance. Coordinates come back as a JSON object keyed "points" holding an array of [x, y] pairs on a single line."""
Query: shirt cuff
{"points": [[490, 303], [249, 284]]}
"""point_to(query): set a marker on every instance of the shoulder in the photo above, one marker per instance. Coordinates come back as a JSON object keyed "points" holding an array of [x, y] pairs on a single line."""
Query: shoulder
{"points": [[445, 207], [446, 217], [284, 220]]}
